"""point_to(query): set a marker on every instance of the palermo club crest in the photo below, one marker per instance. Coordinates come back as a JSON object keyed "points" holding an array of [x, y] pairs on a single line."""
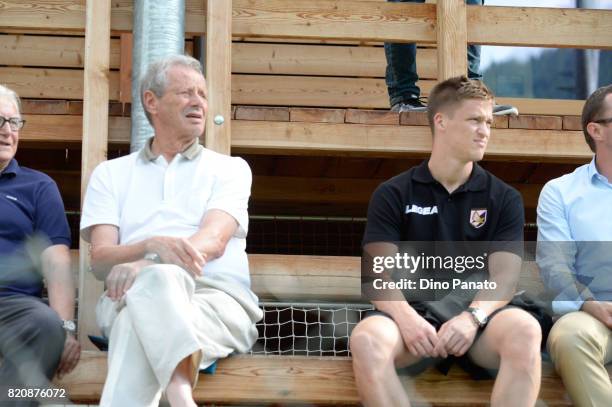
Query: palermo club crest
{"points": [[478, 217]]}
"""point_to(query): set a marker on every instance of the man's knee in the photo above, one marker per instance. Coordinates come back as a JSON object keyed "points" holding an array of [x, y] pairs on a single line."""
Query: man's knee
{"points": [[568, 337], [41, 341], [370, 347], [43, 327], [161, 276]]}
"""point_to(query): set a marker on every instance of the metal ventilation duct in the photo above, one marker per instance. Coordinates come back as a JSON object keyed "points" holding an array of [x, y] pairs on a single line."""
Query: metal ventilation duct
{"points": [[159, 30]]}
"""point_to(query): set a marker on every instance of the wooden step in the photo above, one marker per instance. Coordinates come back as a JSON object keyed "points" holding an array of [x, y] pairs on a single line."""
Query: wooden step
{"points": [[307, 380]]}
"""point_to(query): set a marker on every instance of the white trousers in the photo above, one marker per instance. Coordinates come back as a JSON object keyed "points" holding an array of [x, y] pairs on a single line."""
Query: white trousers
{"points": [[165, 317]]}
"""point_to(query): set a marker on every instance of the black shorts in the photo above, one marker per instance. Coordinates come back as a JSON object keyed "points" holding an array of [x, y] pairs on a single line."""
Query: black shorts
{"points": [[475, 371]]}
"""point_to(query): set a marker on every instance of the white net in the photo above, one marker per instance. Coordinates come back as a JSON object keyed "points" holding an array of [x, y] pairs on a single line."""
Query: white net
{"points": [[307, 329]]}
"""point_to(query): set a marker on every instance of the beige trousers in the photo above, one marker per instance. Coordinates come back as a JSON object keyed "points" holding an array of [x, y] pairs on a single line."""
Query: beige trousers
{"points": [[580, 346], [165, 317]]}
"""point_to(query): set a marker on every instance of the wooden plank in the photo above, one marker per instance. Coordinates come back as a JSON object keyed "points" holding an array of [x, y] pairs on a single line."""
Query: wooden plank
{"points": [[195, 16], [321, 60], [276, 90], [535, 122], [344, 19], [339, 139], [59, 52], [540, 27], [55, 51], [125, 69], [309, 114], [551, 107], [54, 128], [307, 380], [30, 106], [95, 140], [414, 119], [486, 25], [280, 114], [305, 278], [218, 135], [361, 116], [337, 19], [65, 15], [52, 83], [572, 123], [273, 90], [368, 93], [69, 128], [452, 38], [383, 140]]}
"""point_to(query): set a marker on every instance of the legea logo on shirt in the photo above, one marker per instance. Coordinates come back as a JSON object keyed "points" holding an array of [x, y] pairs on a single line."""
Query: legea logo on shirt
{"points": [[425, 210]]}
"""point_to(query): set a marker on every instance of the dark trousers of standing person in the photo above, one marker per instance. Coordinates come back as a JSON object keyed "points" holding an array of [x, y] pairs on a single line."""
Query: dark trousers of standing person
{"points": [[401, 75], [31, 345]]}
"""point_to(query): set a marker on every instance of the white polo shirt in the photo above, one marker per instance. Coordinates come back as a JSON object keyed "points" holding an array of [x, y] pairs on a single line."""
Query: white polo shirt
{"points": [[144, 196]]}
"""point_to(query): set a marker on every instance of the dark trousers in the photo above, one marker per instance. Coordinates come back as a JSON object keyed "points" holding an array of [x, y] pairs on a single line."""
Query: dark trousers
{"points": [[31, 345], [401, 75]]}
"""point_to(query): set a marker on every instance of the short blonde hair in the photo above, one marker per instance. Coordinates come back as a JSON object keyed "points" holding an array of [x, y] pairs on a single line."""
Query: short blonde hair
{"points": [[452, 91]]}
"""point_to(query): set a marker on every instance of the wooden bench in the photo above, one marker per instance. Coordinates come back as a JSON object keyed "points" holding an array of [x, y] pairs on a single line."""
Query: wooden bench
{"points": [[256, 379]]}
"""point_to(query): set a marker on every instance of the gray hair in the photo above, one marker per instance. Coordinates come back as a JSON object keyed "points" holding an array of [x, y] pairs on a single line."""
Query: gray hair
{"points": [[156, 76], [11, 96]]}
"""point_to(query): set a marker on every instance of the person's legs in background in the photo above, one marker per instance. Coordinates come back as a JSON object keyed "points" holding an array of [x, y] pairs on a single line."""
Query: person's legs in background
{"points": [[473, 51], [401, 74]]}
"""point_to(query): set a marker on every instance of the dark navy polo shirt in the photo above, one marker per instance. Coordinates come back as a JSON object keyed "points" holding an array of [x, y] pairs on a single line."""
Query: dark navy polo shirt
{"points": [[413, 206], [32, 218]]}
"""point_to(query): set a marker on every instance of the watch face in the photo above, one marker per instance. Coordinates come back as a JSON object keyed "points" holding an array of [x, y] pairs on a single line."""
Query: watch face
{"points": [[69, 326], [154, 257], [479, 315]]}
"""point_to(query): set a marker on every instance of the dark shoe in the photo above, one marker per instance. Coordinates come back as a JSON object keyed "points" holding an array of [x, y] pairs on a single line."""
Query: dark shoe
{"points": [[500, 110], [414, 104]]}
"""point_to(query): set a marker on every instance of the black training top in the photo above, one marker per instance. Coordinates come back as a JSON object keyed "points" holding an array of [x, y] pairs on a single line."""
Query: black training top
{"points": [[413, 206]]}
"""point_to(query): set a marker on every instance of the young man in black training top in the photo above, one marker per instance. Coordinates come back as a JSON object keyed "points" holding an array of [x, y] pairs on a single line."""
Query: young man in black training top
{"points": [[450, 198]]}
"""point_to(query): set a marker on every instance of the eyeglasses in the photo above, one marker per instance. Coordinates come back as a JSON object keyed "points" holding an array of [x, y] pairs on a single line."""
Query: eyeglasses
{"points": [[15, 123], [603, 121]]}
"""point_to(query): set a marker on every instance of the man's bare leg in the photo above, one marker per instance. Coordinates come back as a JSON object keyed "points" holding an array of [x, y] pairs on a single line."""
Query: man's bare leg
{"points": [[179, 390], [511, 343], [377, 349]]}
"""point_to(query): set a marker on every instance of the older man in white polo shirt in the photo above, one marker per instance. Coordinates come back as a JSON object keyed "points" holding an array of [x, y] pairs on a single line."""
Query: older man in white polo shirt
{"points": [[167, 227]]}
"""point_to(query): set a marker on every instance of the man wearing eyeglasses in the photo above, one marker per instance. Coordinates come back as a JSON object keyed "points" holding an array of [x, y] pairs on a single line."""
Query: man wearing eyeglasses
{"points": [[574, 245], [36, 340]]}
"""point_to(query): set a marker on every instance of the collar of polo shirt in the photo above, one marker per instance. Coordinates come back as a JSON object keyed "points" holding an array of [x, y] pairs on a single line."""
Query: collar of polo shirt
{"points": [[191, 152], [11, 169], [476, 182]]}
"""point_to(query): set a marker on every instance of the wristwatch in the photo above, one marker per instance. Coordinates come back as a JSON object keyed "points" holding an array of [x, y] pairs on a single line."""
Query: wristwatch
{"points": [[69, 326], [154, 257], [479, 316]]}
